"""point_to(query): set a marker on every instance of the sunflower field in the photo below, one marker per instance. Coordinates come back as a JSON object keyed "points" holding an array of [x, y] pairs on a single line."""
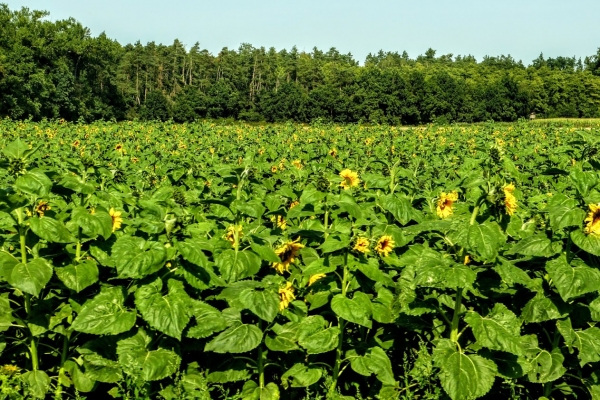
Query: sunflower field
{"points": [[206, 261]]}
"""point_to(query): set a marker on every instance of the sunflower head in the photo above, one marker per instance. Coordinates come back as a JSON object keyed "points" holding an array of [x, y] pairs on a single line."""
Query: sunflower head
{"points": [[333, 153], [9, 370], [274, 168], [510, 201], [287, 254], [231, 232], [286, 296], [42, 207], [116, 219], [349, 179], [314, 278], [297, 164], [385, 245], [592, 221], [119, 147], [445, 203], [279, 222], [361, 245]]}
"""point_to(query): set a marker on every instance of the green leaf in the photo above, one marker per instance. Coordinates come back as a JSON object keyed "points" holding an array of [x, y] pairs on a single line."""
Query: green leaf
{"points": [[136, 258], [92, 225], [7, 263], [586, 341], [240, 338], [583, 181], [105, 314], [354, 310], [483, 241], [35, 183], [208, 320], [285, 339], [546, 366], [140, 362], [51, 230], [168, 314], [192, 252], [541, 308], [31, 277], [537, 245], [236, 265], [78, 276], [265, 252], [313, 336], [399, 207], [463, 376], [82, 382], [263, 303], [563, 216], [15, 149], [335, 243], [570, 281], [375, 361], [252, 208], [251, 391], [100, 369], [588, 243], [301, 376], [77, 184], [38, 383], [499, 330]]}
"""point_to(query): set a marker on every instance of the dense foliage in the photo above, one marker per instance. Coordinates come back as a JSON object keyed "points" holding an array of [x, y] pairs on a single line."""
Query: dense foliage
{"points": [[58, 70], [299, 262]]}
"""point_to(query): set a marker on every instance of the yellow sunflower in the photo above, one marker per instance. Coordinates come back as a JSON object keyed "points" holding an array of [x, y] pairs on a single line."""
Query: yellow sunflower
{"points": [[510, 201], [350, 179], [315, 278], [362, 245], [116, 219], [230, 234], [444, 204], [333, 153], [42, 207], [279, 222], [287, 253], [592, 221], [385, 245], [274, 168], [297, 164], [286, 296]]}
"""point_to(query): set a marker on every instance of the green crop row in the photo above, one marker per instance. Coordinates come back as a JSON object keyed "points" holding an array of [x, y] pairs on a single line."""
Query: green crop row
{"points": [[146, 260]]}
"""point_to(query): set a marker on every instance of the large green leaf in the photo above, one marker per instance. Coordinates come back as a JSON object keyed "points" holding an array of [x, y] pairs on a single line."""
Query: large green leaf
{"points": [[38, 383], [546, 366], [301, 375], [51, 230], [35, 183], [149, 365], [208, 320], [483, 240], [463, 376], [499, 330], [357, 310], [251, 391], [537, 245], [105, 314], [263, 303], [168, 313], [31, 277], [240, 338], [100, 369], [78, 276], [135, 257], [236, 265], [192, 252], [570, 281], [286, 337], [399, 207], [315, 337], [588, 243], [374, 361], [92, 225], [541, 308], [587, 341]]}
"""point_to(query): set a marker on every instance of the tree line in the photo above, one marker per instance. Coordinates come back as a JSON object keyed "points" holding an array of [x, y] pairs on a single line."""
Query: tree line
{"points": [[59, 70]]}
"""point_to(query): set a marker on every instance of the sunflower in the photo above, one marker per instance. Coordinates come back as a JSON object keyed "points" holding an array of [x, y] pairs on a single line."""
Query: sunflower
{"points": [[230, 234], [119, 148], [333, 153], [314, 278], [294, 204], [287, 254], [116, 219], [592, 226], [274, 168], [279, 222], [9, 370], [361, 245], [286, 295], [297, 164], [510, 201], [467, 260], [42, 207], [444, 204], [350, 179], [385, 245]]}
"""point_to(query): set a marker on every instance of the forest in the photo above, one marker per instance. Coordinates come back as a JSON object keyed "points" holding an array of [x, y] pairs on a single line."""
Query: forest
{"points": [[59, 70]]}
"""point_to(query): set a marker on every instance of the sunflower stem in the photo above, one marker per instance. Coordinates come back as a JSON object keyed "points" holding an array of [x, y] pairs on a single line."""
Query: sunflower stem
{"points": [[455, 319], [342, 325]]}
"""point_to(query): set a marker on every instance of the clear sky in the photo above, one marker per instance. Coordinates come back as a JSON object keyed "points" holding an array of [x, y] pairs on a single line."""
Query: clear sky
{"points": [[521, 28]]}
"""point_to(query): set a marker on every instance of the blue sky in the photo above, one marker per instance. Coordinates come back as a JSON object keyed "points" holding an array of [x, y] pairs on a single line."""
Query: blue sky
{"points": [[521, 28]]}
